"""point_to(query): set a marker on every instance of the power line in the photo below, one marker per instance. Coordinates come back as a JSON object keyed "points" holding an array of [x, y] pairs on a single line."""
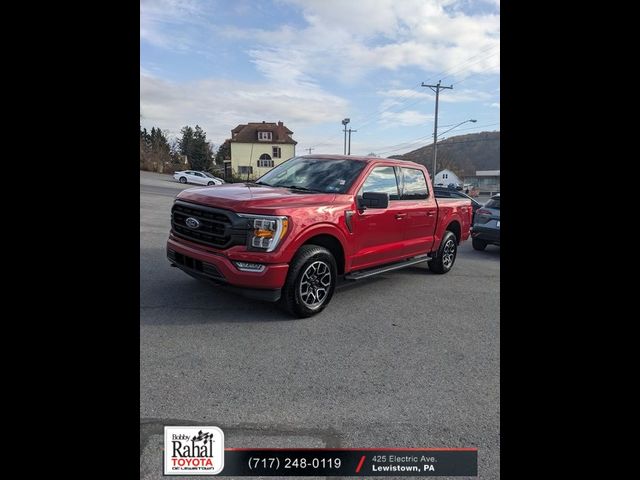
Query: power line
{"points": [[444, 144], [474, 128], [477, 61], [481, 72], [407, 96], [406, 143], [380, 114], [439, 75], [448, 142], [393, 106]]}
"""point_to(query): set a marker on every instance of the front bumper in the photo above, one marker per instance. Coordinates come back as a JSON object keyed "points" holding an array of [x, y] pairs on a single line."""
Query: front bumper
{"points": [[491, 235], [219, 269]]}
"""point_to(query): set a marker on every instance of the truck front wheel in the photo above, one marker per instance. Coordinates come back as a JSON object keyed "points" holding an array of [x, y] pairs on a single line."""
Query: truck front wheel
{"points": [[310, 282], [446, 255]]}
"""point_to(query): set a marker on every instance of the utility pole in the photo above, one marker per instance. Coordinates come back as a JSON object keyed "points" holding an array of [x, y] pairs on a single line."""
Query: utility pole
{"points": [[309, 150], [349, 151], [344, 122], [437, 88]]}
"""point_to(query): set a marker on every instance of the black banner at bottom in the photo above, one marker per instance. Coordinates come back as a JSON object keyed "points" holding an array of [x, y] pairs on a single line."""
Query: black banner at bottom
{"points": [[282, 462]]}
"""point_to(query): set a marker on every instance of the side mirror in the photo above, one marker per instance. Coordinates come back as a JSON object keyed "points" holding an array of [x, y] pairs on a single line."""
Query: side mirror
{"points": [[373, 200]]}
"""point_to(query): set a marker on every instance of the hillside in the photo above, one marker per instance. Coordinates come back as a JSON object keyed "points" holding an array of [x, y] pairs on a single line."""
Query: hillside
{"points": [[462, 154]]}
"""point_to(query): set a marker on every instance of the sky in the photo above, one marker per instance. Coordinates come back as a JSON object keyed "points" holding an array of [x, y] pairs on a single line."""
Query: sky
{"points": [[312, 63]]}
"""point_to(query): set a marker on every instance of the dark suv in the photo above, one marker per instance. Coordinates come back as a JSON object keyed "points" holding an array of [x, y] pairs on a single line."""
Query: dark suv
{"points": [[486, 226]]}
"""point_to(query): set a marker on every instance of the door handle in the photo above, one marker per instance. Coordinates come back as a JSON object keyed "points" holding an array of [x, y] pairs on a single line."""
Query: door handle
{"points": [[430, 214], [400, 216]]}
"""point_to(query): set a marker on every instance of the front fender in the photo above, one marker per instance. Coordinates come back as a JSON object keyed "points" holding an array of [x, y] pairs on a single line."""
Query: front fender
{"points": [[318, 229]]}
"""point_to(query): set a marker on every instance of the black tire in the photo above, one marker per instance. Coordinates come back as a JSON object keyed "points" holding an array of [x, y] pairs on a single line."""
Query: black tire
{"points": [[210, 183], [478, 244], [183, 179], [293, 298], [446, 255]]}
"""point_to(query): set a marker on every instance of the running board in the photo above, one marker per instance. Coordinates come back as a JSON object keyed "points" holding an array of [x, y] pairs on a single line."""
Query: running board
{"points": [[370, 272]]}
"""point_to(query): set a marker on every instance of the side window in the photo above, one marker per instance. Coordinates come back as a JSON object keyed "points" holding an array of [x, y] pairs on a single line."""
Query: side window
{"points": [[198, 174], [381, 180], [414, 184]]}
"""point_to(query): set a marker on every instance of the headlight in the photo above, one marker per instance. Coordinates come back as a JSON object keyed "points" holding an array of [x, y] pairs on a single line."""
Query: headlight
{"points": [[266, 231]]}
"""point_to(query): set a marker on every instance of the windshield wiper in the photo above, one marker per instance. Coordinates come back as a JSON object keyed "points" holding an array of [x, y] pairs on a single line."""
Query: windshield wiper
{"points": [[262, 183], [302, 189]]}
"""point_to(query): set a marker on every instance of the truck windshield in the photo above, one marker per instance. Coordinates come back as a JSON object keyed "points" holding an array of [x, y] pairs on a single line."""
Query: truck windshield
{"points": [[314, 174]]}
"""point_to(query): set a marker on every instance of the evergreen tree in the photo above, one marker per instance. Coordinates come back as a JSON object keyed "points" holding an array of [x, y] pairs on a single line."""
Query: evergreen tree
{"points": [[186, 141], [223, 152]]}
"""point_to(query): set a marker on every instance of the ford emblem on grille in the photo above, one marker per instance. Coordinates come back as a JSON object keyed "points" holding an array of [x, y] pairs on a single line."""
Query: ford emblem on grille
{"points": [[192, 222]]}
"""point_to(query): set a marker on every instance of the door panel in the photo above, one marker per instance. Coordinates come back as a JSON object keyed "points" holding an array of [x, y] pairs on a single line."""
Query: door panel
{"points": [[379, 233], [422, 212], [199, 178]]}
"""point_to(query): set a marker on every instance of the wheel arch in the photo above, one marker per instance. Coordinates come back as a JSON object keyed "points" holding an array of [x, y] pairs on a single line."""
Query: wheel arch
{"points": [[329, 237], [455, 228]]}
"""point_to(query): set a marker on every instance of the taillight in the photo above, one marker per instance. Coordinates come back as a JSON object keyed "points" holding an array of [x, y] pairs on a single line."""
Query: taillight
{"points": [[482, 211]]}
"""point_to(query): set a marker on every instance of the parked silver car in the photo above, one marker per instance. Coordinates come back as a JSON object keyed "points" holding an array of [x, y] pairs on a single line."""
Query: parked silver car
{"points": [[199, 178]]}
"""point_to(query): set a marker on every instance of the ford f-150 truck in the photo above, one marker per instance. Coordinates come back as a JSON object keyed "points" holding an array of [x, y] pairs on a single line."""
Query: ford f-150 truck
{"points": [[289, 235]]}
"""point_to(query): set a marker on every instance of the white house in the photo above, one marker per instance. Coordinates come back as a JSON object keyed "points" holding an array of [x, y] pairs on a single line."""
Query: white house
{"points": [[258, 147], [445, 177]]}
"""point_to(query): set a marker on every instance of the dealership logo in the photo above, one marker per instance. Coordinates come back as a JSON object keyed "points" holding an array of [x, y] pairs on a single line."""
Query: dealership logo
{"points": [[193, 450], [192, 222]]}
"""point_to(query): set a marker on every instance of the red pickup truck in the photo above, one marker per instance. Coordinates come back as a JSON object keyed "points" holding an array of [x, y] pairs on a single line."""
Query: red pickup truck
{"points": [[289, 235]]}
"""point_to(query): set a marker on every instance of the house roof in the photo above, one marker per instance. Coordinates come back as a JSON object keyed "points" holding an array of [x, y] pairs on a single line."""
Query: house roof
{"points": [[487, 173], [249, 133], [446, 170]]}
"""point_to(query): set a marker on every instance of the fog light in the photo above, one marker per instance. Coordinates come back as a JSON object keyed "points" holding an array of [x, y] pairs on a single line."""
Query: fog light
{"points": [[250, 267]]}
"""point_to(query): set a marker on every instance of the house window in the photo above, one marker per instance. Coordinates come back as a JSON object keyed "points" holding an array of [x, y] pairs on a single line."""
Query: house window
{"points": [[265, 161], [264, 136], [276, 152], [245, 170]]}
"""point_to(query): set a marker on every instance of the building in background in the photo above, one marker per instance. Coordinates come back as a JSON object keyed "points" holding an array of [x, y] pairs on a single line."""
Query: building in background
{"points": [[258, 147], [485, 181], [446, 177]]}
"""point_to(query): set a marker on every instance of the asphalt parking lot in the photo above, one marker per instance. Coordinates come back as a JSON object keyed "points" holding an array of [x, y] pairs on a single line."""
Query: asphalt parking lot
{"points": [[406, 359]]}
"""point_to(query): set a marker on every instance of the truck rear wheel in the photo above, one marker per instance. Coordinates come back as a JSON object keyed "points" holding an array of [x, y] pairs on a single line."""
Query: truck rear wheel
{"points": [[310, 282], [446, 255]]}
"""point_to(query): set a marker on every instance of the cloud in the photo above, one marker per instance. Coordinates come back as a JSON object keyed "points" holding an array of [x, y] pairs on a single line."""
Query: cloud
{"points": [[391, 34], [219, 105], [405, 118], [452, 96], [160, 22], [338, 41], [347, 40], [495, 105]]}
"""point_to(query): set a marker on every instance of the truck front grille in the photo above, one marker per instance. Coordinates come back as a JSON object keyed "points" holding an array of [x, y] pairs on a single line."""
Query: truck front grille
{"points": [[216, 227]]}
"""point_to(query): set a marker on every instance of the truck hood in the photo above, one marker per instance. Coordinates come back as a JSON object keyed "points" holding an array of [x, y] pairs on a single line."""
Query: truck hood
{"points": [[240, 197]]}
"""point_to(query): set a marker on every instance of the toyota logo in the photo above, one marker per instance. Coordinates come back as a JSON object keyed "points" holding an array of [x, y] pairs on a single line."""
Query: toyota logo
{"points": [[192, 222]]}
